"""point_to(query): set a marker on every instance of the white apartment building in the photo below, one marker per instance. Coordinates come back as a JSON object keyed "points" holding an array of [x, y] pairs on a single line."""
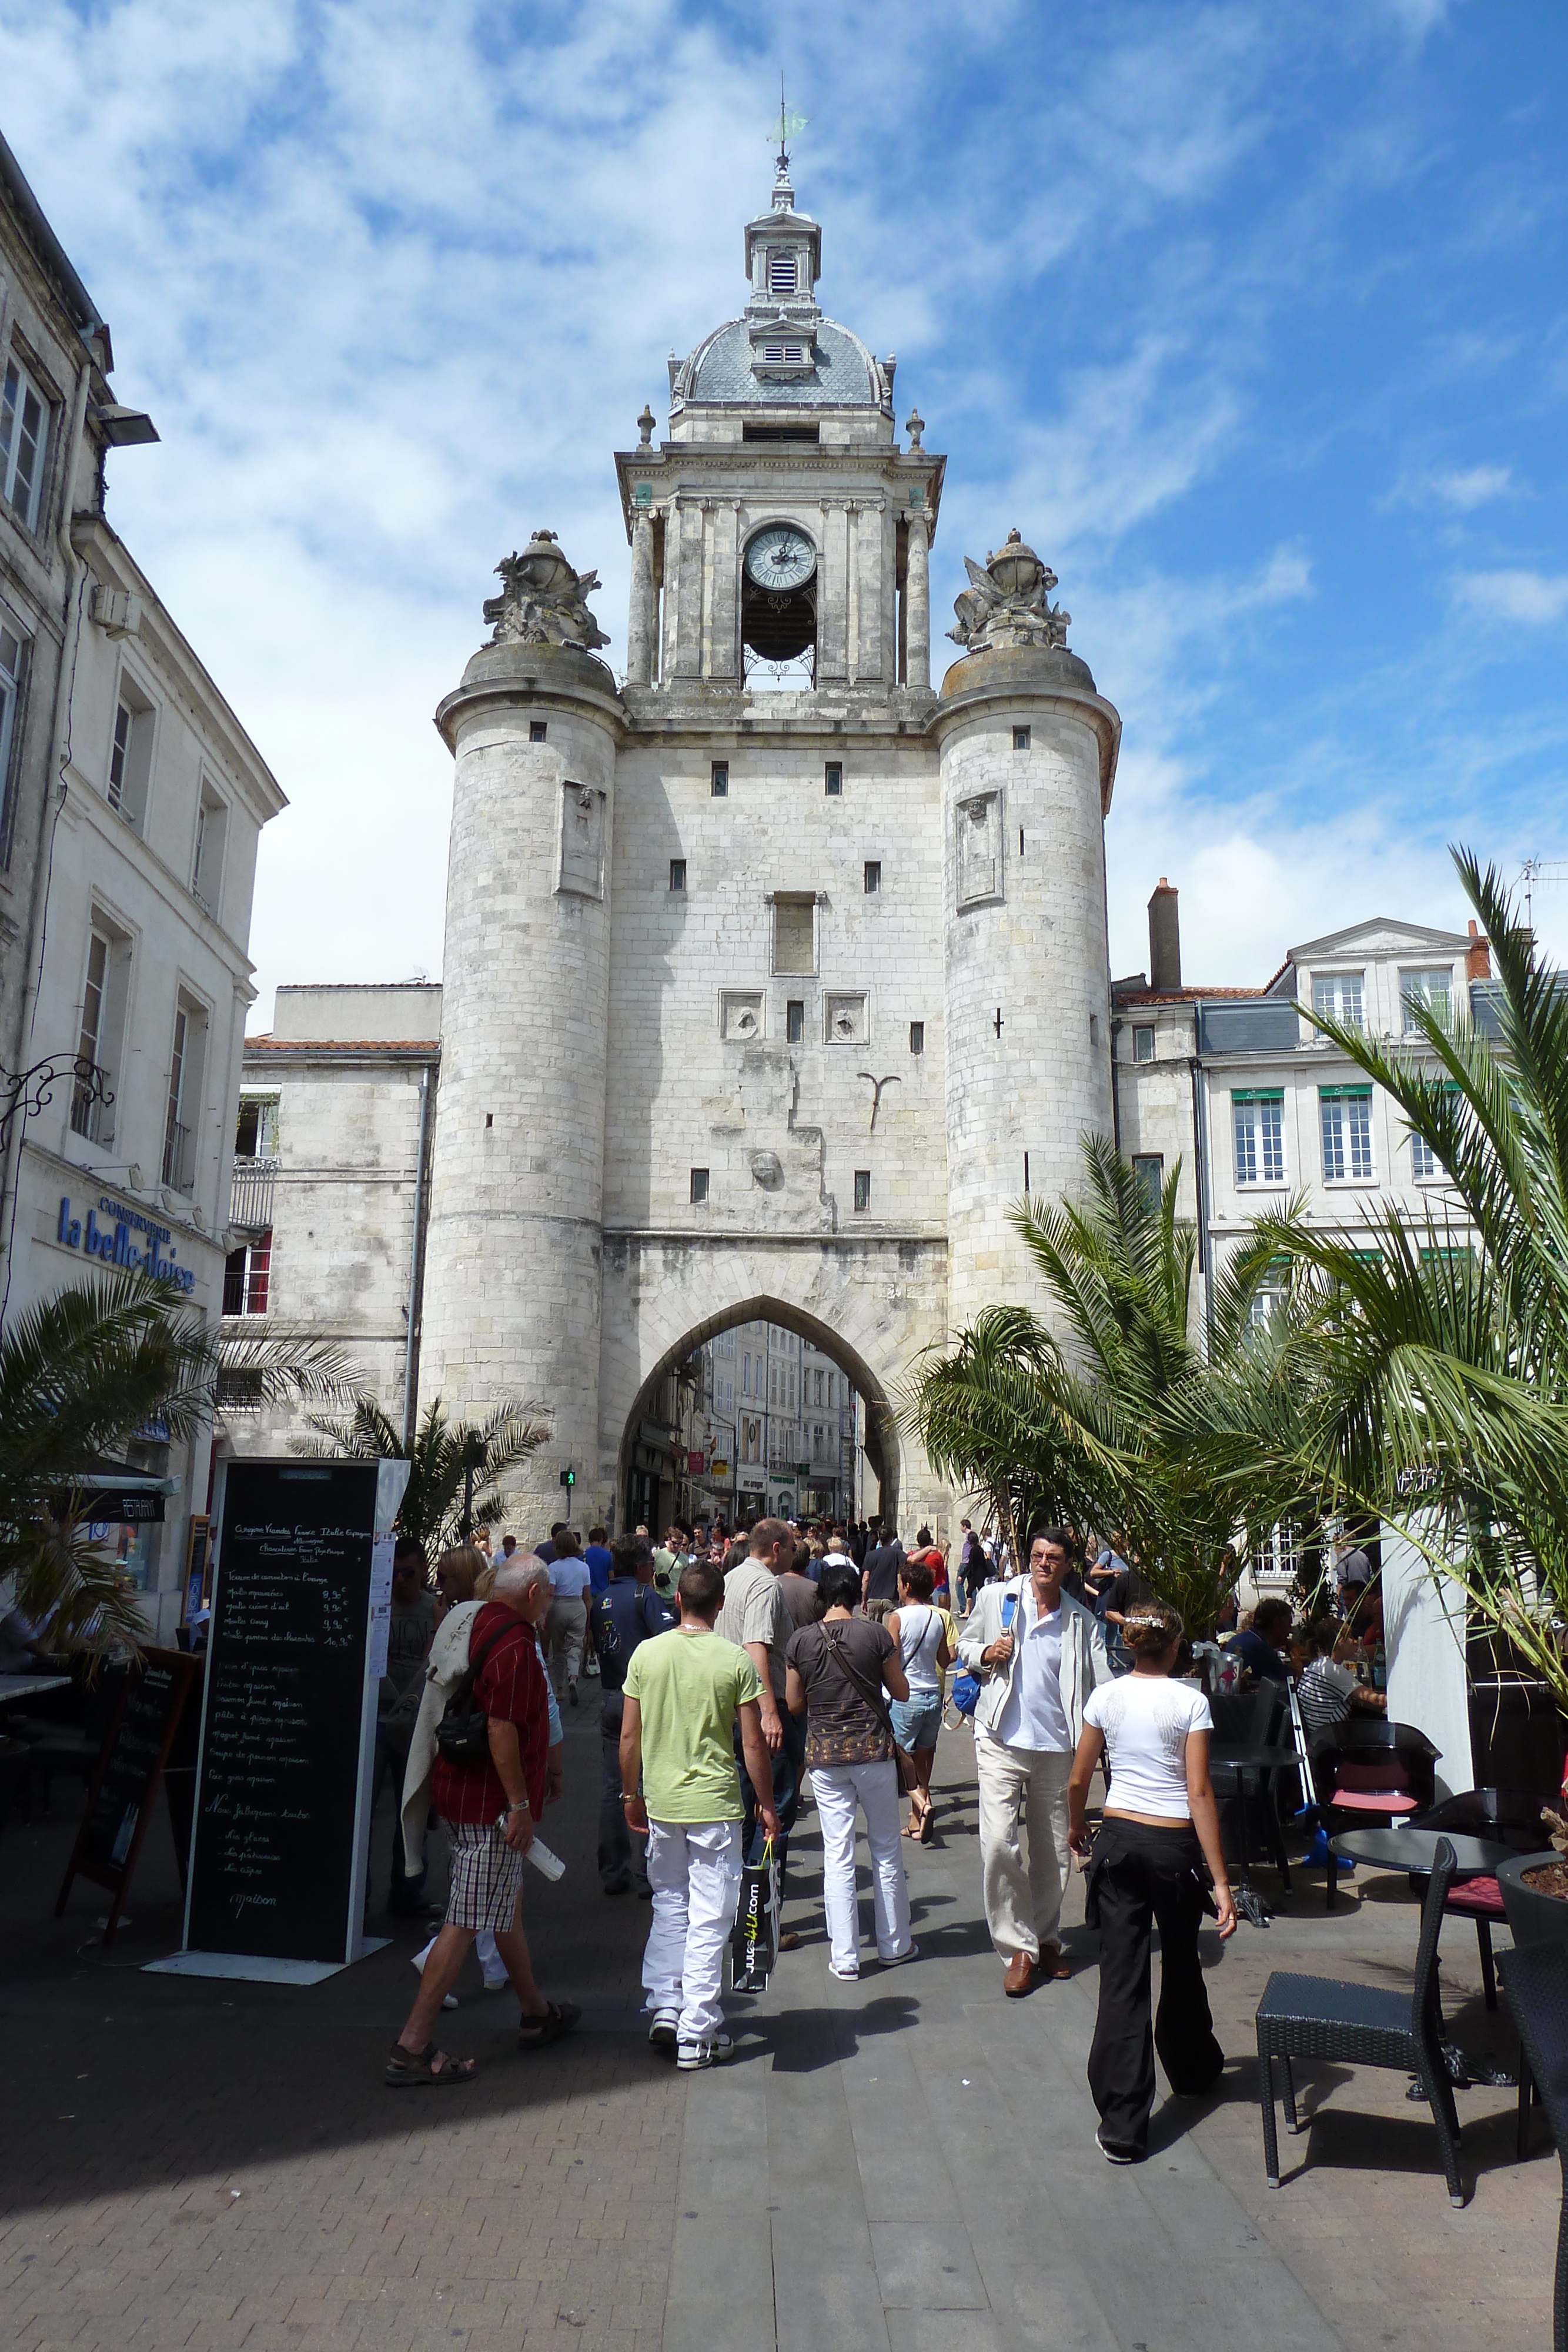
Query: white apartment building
{"points": [[133, 803], [1259, 1107]]}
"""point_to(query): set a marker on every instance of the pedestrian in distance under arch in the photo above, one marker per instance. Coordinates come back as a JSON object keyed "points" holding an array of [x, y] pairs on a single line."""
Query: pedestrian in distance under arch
{"points": [[919, 1630], [1152, 1863]]}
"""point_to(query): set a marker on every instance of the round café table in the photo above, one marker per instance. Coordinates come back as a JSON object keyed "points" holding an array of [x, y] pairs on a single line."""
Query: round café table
{"points": [[1414, 1850]]}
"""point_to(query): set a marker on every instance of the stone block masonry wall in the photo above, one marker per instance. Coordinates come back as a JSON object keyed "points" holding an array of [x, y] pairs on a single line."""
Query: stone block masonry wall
{"points": [[1025, 939], [512, 1269]]}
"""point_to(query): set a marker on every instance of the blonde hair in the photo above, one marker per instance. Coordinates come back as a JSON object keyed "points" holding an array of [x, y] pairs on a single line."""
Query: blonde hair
{"points": [[461, 1567], [1149, 1631]]}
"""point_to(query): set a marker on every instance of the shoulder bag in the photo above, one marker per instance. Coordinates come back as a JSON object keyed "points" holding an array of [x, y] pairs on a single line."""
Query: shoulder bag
{"points": [[462, 1734], [965, 1690], [908, 1778]]}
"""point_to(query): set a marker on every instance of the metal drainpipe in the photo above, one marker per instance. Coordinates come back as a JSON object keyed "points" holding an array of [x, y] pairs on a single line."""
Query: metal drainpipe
{"points": [[54, 797], [411, 1345], [1200, 1151], [1115, 1091]]}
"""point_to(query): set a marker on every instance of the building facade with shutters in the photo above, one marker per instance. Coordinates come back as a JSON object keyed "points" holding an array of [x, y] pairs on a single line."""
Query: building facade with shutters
{"points": [[133, 801]]}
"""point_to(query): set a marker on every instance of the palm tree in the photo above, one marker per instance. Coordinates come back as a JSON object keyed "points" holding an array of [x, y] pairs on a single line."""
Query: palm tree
{"points": [[1080, 1428], [449, 1460], [81, 1373], [1440, 1358]]}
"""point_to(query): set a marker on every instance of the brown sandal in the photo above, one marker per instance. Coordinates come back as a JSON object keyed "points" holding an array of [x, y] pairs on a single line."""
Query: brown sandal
{"points": [[558, 2018], [426, 2069]]}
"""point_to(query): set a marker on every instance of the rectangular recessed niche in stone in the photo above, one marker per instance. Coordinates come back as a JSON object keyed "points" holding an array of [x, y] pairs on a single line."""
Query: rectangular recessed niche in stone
{"points": [[980, 849], [1021, 738], [699, 1184], [873, 875], [794, 931], [740, 1016], [677, 873], [718, 779], [862, 1188], [537, 730], [795, 1021], [844, 1018], [582, 812], [917, 1036], [834, 779]]}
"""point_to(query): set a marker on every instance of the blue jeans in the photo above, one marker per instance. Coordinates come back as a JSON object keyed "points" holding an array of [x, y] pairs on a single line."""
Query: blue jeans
{"points": [[622, 1860]]}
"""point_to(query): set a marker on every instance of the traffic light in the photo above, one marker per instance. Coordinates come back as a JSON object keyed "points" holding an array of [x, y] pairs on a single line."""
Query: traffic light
{"points": [[568, 1476]]}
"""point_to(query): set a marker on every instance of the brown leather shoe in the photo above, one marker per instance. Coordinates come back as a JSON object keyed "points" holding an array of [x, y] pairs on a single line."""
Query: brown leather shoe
{"points": [[1054, 1962], [1019, 1977]]}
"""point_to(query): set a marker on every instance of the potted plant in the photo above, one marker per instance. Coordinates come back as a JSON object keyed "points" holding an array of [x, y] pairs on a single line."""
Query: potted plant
{"points": [[1534, 1887]]}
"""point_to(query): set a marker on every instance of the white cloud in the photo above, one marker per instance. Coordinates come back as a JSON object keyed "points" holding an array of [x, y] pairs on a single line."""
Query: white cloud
{"points": [[1535, 599], [1473, 487]]}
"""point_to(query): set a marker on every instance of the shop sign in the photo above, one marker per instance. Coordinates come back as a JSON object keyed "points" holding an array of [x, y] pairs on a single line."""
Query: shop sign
{"points": [[114, 1244], [695, 1464], [719, 1469]]}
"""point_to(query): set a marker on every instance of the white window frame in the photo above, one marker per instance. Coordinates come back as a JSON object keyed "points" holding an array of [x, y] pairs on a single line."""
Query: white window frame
{"points": [[210, 851], [1415, 987], [12, 670], [1329, 988], [1346, 1142], [1258, 1167], [188, 1045], [19, 392], [102, 1023], [127, 763]]}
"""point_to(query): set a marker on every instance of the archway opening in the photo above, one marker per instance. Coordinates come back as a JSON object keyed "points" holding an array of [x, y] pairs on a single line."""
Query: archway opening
{"points": [[655, 1480]]}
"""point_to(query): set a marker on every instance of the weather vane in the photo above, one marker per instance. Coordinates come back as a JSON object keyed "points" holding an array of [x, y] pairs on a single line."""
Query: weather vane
{"points": [[790, 127]]}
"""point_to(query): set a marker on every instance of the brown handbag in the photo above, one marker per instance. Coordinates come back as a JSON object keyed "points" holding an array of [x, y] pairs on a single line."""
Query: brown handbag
{"points": [[908, 1779]]}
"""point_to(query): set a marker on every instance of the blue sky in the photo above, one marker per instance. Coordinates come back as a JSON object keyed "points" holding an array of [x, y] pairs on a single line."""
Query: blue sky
{"points": [[1251, 317]]}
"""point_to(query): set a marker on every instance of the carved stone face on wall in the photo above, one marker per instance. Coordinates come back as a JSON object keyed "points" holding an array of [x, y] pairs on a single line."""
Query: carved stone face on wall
{"points": [[582, 840], [980, 849]]}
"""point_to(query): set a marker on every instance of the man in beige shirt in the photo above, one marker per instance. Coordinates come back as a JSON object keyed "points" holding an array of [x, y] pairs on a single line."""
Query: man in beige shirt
{"points": [[756, 1617]]}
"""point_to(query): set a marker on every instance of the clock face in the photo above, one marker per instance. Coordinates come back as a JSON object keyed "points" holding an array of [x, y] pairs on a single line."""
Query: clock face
{"points": [[780, 558]]}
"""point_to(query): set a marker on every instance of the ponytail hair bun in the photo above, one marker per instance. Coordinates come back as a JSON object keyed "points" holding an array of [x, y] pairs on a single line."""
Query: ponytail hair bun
{"points": [[1149, 1629]]}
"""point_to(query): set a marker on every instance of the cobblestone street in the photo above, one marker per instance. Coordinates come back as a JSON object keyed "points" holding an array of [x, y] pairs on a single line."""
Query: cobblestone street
{"points": [[907, 2162]]}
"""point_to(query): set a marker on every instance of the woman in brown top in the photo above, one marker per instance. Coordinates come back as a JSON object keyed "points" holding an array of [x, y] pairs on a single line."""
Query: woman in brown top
{"points": [[835, 1675]]}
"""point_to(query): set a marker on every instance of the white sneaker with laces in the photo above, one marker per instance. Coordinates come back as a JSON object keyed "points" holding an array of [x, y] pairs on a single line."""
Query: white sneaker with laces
{"points": [[691, 2057], [663, 2034]]}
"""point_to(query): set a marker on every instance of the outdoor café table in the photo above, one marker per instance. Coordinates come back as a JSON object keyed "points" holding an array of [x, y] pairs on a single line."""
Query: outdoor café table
{"points": [[19, 1687], [1413, 1850]]}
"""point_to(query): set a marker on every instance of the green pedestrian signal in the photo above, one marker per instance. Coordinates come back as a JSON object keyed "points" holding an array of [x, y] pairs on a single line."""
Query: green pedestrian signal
{"points": [[568, 1476]]}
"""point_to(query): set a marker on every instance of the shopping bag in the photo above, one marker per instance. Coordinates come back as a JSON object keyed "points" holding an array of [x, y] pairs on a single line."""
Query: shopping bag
{"points": [[754, 1939]]}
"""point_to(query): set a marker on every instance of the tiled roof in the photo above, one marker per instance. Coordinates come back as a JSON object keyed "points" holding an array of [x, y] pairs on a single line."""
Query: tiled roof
{"points": [[1124, 995], [269, 1045]]}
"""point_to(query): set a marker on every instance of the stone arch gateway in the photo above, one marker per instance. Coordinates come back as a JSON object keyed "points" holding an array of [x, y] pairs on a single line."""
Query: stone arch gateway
{"points": [[757, 992]]}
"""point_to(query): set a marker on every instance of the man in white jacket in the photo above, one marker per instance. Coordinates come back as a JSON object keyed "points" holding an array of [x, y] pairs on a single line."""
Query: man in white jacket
{"points": [[1039, 1653]]}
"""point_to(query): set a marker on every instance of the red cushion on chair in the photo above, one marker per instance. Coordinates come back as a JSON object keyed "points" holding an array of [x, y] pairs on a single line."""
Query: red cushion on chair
{"points": [[1482, 1898], [1373, 1800]]}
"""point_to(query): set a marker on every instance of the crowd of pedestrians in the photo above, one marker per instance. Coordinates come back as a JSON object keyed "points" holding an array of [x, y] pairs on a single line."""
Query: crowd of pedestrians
{"points": [[737, 1671]]}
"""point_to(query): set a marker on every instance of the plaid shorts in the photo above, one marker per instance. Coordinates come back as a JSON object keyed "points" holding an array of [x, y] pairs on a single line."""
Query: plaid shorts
{"points": [[487, 1878]]}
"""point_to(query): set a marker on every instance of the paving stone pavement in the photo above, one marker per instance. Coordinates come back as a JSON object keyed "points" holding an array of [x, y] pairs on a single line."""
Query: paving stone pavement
{"points": [[907, 2162]]}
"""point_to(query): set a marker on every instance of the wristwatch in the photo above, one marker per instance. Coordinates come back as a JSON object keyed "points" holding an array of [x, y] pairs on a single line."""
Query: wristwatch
{"points": [[520, 1806]]}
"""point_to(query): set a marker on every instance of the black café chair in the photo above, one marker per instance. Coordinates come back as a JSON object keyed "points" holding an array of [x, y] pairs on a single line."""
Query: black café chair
{"points": [[1507, 1816], [1369, 1773], [1363, 2025], [1254, 1720], [1535, 1979]]}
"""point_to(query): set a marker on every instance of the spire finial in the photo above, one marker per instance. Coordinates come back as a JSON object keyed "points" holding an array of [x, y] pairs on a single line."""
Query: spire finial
{"points": [[787, 128]]}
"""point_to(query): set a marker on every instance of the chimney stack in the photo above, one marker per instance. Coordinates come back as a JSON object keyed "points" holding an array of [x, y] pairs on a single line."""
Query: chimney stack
{"points": [[1164, 939], [1477, 957]]}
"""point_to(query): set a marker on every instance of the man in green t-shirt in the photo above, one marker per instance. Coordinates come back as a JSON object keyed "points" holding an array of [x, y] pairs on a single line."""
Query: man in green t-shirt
{"points": [[684, 1693]]}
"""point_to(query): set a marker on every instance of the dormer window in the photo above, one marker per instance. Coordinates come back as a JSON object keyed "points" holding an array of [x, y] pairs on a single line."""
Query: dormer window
{"points": [[783, 274]]}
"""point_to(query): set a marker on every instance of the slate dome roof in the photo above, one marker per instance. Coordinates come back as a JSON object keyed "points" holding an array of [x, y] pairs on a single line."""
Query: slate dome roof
{"points": [[845, 375]]}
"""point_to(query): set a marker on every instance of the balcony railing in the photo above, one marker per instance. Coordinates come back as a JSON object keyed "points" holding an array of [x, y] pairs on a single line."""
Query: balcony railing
{"points": [[251, 1193]]}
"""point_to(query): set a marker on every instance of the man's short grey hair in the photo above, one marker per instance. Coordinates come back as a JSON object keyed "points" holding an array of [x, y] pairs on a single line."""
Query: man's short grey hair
{"points": [[516, 1580]]}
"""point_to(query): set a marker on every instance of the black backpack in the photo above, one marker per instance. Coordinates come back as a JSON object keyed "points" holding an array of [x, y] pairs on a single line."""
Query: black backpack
{"points": [[462, 1734]]}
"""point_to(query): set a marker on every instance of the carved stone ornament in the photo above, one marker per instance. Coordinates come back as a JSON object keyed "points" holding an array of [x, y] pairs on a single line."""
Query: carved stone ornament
{"points": [[767, 1170], [543, 600], [1008, 604]]}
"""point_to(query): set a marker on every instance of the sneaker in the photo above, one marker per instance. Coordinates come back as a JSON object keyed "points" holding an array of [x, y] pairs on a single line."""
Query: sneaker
{"points": [[662, 2033], [897, 1959], [496, 1983], [691, 2057], [1114, 2154], [419, 1960]]}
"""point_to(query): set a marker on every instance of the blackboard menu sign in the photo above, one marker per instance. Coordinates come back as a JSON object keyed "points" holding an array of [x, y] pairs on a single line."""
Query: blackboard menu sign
{"points": [[282, 1825], [136, 1750]]}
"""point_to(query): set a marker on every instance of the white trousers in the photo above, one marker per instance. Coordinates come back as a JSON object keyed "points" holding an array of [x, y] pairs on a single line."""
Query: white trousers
{"points": [[838, 1788], [1024, 1903], [694, 1869]]}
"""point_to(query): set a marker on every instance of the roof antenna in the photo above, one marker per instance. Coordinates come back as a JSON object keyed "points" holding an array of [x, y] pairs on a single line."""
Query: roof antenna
{"points": [[789, 125]]}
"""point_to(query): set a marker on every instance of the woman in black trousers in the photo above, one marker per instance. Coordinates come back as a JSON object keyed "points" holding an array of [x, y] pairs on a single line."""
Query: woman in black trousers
{"points": [[1155, 1860]]}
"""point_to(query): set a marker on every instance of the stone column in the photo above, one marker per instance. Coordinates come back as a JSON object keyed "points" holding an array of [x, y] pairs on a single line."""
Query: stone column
{"points": [[834, 595], [917, 603], [866, 536], [644, 609], [689, 590], [724, 609]]}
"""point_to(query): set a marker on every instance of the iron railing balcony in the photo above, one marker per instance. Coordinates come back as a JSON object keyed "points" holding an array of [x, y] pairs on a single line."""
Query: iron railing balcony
{"points": [[251, 1193]]}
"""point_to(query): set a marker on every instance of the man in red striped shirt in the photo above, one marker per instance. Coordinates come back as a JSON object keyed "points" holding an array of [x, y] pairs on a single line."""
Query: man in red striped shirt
{"points": [[491, 1808]]}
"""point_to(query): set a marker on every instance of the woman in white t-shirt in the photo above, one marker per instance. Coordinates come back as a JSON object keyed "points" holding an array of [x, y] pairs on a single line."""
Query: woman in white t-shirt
{"points": [[1154, 1861]]}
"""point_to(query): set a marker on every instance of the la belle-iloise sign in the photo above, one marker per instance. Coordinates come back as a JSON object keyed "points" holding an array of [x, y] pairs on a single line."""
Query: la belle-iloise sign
{"points": [[115, 1246]]}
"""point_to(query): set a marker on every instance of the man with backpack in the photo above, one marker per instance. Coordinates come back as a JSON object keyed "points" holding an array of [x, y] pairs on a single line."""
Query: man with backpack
{"points": [[628, 1611]]}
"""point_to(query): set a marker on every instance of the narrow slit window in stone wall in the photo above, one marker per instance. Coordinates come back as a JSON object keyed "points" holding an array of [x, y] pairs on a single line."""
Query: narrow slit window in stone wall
{"points": [[719, 779], [873, 875], [917, 1036], [699, 1184], [795, 1021], [677, 873], [1021, 738], [537, 729], [834, 779], [862, 1188]]}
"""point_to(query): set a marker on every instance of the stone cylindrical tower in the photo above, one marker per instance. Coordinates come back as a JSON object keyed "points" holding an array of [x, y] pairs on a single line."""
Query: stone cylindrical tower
{"points": [[1028, 755], [512, 1281]]}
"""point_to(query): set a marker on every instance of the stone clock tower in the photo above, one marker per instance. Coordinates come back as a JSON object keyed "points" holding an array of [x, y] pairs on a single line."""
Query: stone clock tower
{"points": [[770, 972]]}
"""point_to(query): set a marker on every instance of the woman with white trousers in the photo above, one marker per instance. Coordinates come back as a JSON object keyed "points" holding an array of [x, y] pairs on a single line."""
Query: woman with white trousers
{"points": [[836, 1672]]}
